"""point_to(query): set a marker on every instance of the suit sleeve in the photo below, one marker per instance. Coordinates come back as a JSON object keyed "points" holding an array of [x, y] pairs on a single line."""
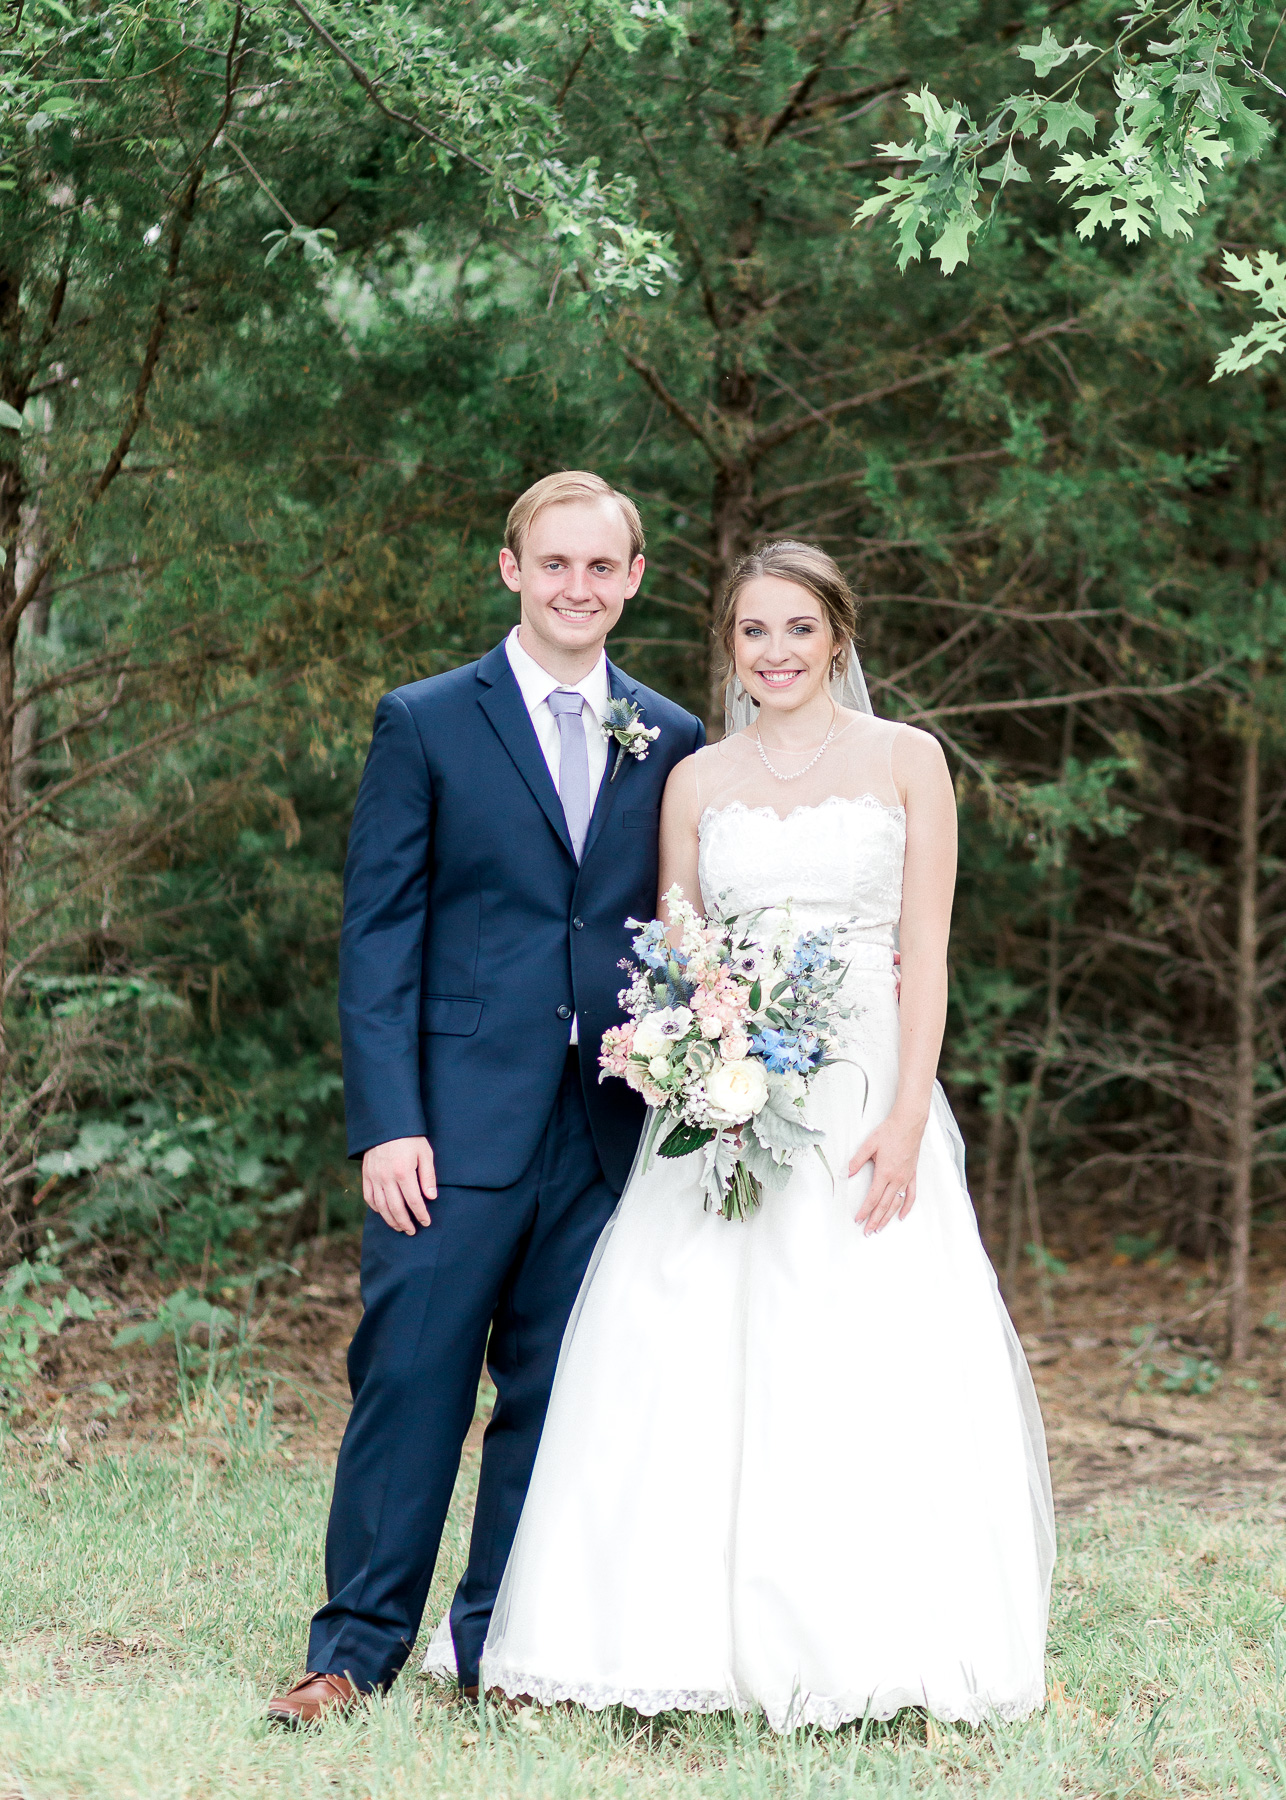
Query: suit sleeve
{"points": [[386, 883], [700, 735]]}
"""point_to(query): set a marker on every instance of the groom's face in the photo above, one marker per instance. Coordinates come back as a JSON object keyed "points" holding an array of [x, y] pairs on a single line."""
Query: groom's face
{"points": [[575, 575]]}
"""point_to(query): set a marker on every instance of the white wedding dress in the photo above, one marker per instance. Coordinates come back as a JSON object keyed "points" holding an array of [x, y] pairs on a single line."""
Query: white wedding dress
{"points": [[787, 1465]]}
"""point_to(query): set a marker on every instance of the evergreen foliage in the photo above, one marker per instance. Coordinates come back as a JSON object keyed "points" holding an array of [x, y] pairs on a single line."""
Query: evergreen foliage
{"points": [[249, 495]]}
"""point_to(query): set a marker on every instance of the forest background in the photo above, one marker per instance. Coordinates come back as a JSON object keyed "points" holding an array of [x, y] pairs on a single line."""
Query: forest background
{"points": [[294, 303]]}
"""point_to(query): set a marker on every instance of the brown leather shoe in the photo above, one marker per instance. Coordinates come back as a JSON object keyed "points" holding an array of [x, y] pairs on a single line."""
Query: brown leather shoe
{"points": [[311, 1699]]}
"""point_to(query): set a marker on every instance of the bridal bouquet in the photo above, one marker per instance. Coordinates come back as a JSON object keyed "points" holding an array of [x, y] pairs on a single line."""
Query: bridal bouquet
{"points": [[725, 1031]]}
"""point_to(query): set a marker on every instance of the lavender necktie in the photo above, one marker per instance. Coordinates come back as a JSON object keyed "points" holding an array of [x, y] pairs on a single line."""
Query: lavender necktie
{"points": [[573, 765]]}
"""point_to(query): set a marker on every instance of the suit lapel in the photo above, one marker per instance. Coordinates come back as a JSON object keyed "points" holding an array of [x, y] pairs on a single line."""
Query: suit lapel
{"points": [[501, 700], [621, 688]]}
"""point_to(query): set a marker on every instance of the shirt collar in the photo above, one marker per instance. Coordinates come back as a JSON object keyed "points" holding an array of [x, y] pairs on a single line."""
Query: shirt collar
{"points": [[537, 684]]}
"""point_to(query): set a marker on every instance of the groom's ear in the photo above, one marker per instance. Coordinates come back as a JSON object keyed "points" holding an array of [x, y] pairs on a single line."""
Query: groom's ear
{"points": [[511, 575], [635, 576]]}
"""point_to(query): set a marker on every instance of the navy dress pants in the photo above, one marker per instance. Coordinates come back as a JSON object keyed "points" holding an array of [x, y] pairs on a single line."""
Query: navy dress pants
{"points": [[497, 1272]]}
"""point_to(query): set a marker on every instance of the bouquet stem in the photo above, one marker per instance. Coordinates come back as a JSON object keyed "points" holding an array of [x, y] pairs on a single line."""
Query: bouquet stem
{"points": [[744, 1194]]}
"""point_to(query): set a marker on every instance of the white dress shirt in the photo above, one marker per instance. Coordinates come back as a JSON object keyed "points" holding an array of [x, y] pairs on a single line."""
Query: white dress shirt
{"points": [[536, 685]]}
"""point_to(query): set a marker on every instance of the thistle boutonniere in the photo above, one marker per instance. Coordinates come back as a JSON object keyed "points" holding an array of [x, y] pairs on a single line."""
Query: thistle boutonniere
{"points": [[624, 726]]}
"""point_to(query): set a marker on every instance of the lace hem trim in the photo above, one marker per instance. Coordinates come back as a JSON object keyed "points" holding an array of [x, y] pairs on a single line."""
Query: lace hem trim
{"points": [[803, 1709], [868, 801]]}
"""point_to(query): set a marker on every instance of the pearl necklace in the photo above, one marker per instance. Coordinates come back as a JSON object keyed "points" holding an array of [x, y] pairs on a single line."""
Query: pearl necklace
{"points": [[776, 773]]}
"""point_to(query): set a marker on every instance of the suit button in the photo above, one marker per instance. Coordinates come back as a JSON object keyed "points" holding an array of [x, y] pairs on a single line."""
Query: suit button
{"points": [[578, 924], [564, 1012]]}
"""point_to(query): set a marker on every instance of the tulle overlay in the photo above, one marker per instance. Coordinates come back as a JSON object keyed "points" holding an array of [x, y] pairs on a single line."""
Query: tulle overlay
{"points": [[786, 1465]]}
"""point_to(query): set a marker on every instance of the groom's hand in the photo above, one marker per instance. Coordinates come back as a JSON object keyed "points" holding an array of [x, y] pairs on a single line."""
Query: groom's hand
{"points": [[397, 1178]]}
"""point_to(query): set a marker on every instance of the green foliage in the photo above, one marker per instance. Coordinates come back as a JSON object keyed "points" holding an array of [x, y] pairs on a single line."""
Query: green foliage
{"points": [[194, 1189], [1179, 116], [1044, 1261], [29, 1317], [1145, 1248], [461, 82], [1070, 545], [1266, 280], [1182, 1372], [221, 1384]]}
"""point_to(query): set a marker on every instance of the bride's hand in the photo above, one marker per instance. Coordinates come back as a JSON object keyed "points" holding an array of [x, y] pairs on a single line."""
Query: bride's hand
{"points": [[894, 1148]]}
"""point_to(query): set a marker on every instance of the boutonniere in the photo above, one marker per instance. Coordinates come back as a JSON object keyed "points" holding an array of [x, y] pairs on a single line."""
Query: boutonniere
{"points": [[624, 726]]}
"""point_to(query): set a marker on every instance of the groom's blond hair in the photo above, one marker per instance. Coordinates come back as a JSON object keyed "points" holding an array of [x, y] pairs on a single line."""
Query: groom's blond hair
{"points": [[556, 490]]}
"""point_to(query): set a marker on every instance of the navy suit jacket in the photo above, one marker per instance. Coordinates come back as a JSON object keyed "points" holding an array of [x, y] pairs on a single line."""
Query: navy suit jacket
{"points": [[471, 935]]}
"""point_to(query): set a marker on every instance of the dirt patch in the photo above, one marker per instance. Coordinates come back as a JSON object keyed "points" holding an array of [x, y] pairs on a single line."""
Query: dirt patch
{"points": [[1103, 1346], [300, 1330], [1110, 1354]]}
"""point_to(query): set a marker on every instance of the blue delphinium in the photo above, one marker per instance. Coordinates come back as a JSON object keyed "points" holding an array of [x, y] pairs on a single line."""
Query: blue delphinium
{"points": [[813, 954], [787, 1052], [652, 948]]}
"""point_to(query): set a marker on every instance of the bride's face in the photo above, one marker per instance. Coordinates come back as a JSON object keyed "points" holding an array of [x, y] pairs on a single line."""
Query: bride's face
{"points": [[782, 644]]}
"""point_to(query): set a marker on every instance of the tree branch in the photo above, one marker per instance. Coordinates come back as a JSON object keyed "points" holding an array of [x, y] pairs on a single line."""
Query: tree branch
{"points": [[87, 721], [180, 220], [927, 462], [56, 301], [408, 120], [572, 73], [798, 96], [972, 708], [776, 435], [675, 407]]}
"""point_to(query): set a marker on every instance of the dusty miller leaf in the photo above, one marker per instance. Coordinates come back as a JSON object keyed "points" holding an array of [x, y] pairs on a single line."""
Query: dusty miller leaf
{"points": [[779, 1126], [761, 1162], [718, 1161]]}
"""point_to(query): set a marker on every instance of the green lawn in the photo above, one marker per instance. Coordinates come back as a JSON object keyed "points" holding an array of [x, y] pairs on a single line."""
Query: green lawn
{"points": [[149, 1606]]}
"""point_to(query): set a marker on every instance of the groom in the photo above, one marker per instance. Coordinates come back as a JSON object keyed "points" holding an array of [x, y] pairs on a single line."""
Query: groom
{"points": [[497, 849]]}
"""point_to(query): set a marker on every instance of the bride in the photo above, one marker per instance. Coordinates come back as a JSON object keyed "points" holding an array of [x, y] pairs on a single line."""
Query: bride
{"points": [[796, 1463]]}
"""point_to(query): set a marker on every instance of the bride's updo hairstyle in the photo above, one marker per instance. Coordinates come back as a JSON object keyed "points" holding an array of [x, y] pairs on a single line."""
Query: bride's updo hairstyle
{"points": [[809, 568]]}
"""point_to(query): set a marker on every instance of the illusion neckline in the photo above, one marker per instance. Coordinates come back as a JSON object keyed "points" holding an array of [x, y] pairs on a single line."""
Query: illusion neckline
{"points": [[770, 812]]}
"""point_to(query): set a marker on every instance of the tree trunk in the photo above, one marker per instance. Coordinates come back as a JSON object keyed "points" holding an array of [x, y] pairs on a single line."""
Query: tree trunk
{"points": [[991, 1174], [35, 624], [11, 495], [734, 513], [1241, 1156]]}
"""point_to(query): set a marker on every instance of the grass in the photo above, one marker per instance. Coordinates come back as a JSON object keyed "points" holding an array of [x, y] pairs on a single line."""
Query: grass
{"points": [[149, 1605]]}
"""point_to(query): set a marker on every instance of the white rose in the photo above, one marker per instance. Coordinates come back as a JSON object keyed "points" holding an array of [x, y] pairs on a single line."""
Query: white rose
{"points": [[734, 1045], [658, 1030], [635, 1075], [711, 1027], [737, 1090], [659, 1067]]}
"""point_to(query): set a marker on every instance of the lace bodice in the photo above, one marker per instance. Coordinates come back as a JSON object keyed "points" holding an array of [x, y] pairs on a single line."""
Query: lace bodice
{"points": [[836, 856]]}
